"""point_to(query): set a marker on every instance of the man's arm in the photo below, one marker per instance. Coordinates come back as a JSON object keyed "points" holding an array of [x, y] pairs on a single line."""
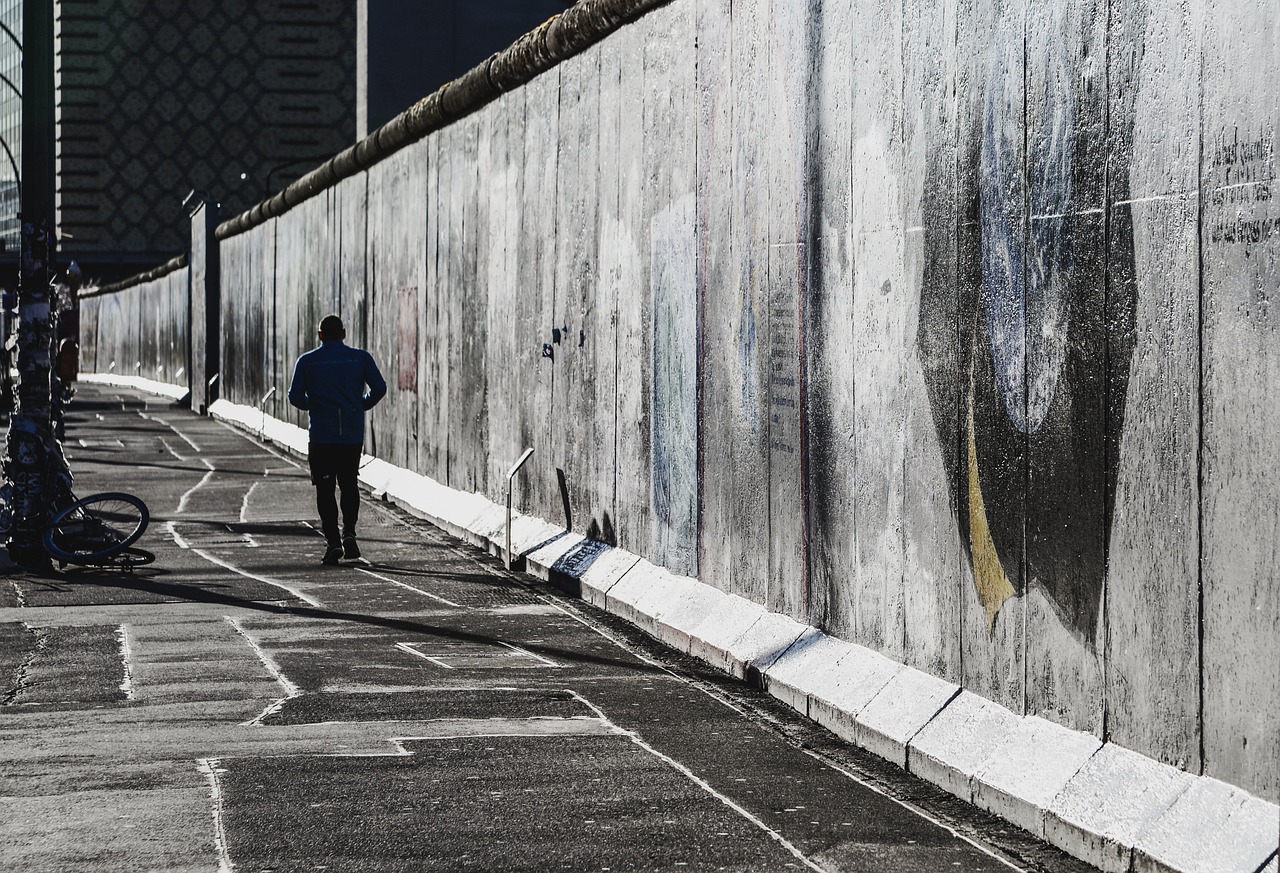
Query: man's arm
{"points": [[373, 378], [298, 388]]}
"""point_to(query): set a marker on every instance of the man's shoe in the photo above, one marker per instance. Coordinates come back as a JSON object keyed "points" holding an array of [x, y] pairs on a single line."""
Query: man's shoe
{"points": [[332, 554], [350, 548]]}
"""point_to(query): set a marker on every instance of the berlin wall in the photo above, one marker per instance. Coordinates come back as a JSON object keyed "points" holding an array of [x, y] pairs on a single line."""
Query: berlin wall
{"points": [[947, 326], [138, 328]]}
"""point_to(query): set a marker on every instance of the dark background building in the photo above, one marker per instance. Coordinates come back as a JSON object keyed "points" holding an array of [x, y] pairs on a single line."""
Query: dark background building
{"points": [[161, 97], [236, 98], [10, 123], [415, 47]]}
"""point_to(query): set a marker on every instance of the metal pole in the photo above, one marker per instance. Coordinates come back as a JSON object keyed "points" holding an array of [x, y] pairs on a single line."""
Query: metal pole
{"points": [[34, 466], [511, 474]]}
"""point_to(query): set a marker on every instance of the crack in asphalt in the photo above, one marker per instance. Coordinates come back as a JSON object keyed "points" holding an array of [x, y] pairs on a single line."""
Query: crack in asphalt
{"points": [[22, 675]]}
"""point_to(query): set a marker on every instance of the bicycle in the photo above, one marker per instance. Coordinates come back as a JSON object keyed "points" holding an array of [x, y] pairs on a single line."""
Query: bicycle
{"points": [[99, 531]]}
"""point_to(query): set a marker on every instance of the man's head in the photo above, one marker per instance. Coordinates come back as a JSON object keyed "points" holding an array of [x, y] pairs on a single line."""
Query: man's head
{"points": [[331, 328]]}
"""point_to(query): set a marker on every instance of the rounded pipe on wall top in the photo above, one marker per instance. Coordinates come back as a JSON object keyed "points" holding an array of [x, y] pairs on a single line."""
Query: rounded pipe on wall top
{"points": [[552, 42]]}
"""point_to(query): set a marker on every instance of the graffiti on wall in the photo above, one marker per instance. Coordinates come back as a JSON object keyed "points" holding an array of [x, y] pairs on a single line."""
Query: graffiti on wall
{"points": [[1026, 348], [674, 418], [1242, 178], [407, 338]]}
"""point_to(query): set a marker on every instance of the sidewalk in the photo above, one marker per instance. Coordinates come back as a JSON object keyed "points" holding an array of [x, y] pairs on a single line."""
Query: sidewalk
{"points": [[238, 706]]}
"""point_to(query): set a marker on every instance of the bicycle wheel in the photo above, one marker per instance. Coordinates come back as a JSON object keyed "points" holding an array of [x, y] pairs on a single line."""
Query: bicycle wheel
{"points": [[124, 560], [95, 527]]}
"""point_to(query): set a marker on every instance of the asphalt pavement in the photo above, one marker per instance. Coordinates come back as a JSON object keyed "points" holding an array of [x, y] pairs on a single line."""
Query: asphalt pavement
{"points": [[238, 706]]}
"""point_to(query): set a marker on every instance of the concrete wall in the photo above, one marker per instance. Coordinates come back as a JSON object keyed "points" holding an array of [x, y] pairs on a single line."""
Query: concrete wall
{"points": [[141, 330], [945, 326]]}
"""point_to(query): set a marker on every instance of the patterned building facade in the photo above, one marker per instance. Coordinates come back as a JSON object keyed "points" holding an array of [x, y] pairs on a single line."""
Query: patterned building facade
{"points": [[157, 98], [235, 98], [10, 121]]}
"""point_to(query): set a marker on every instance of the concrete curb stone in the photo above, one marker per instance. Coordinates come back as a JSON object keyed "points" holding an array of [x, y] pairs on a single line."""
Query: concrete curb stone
{"points": [[527, 533], [1116, 796], [377, 474], [659, 604], [604, 572], [1212, 828], [950, 749], [712, 638], [861, 674], [680, 618], [643, 581], [906, 703], [542, 560], [763, 643], [1029, 769], [489, 521], [806, 668], [151, 386]]}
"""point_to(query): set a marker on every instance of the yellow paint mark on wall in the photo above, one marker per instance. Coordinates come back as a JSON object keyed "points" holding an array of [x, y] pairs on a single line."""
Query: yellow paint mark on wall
{"points": [[994, 587]]}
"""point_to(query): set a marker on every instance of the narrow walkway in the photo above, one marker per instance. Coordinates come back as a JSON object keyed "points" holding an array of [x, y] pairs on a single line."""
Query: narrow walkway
{"points": [[238, 706]]}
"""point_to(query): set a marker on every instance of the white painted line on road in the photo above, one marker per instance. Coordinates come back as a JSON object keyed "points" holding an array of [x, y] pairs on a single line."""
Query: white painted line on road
{"points": [[409, 587], [182, 501], [911, 806], [397, 744], [178, 539], [409, 647], [438, 657], [244, 504], [182, 435], [126, 653], [209, 767], [164, 442], [703, 784], [816, 756], [291, 690], [539, 727], [262, 445], [640, 656], [310, 601], [529, 654]]}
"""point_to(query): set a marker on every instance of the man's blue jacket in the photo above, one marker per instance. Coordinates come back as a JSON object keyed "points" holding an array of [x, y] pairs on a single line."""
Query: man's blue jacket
{"points": [[329, 382]]}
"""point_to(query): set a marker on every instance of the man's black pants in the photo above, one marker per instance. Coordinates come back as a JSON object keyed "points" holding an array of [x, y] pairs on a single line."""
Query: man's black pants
{"points": [[336, 465]]}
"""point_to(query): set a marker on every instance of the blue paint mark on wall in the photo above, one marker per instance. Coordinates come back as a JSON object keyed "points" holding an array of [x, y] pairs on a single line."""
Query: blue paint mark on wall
{"points": [[674, 418]]}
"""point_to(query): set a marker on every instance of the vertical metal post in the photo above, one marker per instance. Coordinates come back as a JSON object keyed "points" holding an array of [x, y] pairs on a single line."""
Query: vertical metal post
{"points": [[262, 407], [511, 474], [34, 466]]}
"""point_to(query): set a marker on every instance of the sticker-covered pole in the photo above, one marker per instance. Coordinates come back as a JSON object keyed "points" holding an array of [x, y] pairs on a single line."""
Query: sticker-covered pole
{"points": [[35, 469]]}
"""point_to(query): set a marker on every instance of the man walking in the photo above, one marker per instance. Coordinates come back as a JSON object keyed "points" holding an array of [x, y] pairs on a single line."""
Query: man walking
{"points": [[336, 384]]}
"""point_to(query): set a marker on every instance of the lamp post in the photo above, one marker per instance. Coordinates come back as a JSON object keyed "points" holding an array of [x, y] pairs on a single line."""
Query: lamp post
{"points": [[35, 468]]}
